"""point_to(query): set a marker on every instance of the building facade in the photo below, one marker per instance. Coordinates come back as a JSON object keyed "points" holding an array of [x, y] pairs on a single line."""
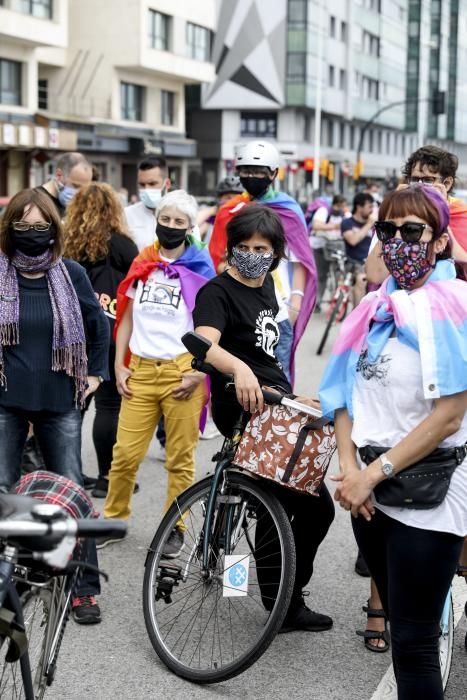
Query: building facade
{"points": [[275, 61], [106, 78]]}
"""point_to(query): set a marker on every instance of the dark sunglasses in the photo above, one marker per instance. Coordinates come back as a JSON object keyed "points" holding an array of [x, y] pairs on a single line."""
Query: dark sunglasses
{"points": [[411, 231]]}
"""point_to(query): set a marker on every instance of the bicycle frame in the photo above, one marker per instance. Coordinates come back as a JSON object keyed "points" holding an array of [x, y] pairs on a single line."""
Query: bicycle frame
{"points": [[226, 455]]}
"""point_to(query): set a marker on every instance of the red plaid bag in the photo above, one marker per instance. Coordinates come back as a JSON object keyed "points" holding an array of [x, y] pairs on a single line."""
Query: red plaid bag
{"points": [[288, 447]]}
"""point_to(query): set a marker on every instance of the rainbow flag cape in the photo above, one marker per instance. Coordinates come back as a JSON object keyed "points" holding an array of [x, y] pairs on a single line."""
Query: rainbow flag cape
{"points": [[296, 235], [432, 320]]}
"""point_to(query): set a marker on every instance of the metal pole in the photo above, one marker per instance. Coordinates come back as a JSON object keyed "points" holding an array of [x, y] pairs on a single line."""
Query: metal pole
{"points": [[319, 88]]}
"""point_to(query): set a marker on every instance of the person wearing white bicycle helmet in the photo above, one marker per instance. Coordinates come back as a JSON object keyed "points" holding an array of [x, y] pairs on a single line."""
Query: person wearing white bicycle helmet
{"points": [[257, 164]]}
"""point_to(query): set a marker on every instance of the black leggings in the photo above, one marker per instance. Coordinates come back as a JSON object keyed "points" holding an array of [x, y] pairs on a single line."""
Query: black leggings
{"points": [[107, 401], [412, 569]]}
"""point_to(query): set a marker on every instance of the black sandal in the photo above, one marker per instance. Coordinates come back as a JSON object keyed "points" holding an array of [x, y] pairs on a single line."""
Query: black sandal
{"points": [[373, 634]]}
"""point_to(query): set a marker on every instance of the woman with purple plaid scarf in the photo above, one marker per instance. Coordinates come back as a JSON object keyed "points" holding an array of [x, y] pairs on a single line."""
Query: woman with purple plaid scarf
{"points": [[54, 340]]}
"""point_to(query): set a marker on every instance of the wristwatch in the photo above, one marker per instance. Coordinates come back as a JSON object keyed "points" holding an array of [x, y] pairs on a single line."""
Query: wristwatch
{"points": [[387, 466]]}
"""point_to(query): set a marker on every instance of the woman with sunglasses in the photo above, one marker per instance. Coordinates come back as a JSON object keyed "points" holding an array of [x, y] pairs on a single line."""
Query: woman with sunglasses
{"points": [[396, 386], [54, 340]]}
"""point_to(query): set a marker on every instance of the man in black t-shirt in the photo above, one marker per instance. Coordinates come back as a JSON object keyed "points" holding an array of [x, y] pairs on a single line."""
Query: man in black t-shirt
{"points": [[356, 232], [72, 172]]}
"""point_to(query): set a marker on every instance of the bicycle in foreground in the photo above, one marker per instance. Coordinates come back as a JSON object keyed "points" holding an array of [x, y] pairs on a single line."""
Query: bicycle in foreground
{"points": [[215, 609], [35, 596]]}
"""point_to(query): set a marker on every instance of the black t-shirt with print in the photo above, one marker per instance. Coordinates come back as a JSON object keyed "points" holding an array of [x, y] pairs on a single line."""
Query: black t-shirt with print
{"points": [[245, 316]]}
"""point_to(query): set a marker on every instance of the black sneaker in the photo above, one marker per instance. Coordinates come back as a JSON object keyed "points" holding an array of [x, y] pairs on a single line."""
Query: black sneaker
{"points": [[361, 567], [85, 610], [174, 544], [102, 487], [303, 619], [89, 482]]}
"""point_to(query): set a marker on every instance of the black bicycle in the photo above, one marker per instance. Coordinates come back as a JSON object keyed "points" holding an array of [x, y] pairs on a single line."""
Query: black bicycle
{"points": [[214, 610], [35, 598]]}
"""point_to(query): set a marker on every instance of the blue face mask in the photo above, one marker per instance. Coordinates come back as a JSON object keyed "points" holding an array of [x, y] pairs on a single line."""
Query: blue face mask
{"points": [[66, 194], [150, 197]]}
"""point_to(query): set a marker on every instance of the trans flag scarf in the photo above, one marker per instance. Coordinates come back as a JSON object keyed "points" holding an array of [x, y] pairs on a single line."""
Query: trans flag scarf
{"points": [[432, 320]]}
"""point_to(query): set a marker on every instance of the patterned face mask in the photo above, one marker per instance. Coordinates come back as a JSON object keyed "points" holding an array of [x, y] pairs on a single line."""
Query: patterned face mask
{"points": [[251, 265], [407, 262]]}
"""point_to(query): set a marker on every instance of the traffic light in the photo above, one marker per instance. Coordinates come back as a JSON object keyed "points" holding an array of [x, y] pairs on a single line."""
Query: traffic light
{"points": [[358, 169], [438, 105], [323, 168], [331, 172]]}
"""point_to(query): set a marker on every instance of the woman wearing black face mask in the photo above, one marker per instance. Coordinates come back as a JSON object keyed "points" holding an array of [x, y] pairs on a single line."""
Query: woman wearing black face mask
{"points": [[154, 306], [53, 352]]}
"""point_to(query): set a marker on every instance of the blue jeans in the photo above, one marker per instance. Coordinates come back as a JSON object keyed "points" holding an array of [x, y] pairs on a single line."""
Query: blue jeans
{"points": [[284, 346], [59, 438]]}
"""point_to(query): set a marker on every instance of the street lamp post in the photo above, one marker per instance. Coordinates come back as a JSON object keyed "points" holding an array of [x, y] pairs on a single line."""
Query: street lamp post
{"points": [[375, 116], [319, 91]]}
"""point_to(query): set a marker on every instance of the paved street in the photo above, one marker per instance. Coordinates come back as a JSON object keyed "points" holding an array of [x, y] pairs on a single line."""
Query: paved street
{"points": [[115, 660]]}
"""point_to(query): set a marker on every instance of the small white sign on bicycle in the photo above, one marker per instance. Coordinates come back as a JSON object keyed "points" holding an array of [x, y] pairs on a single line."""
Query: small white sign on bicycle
{"points": [[236, 575]]}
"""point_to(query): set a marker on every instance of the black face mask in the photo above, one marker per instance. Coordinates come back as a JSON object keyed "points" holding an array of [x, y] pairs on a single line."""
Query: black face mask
{"points": [[169, 237], [33, 243], [256, 186]]}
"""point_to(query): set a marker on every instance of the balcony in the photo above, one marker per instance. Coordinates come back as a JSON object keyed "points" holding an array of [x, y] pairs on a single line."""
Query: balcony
{"points": [[34, 23], [173, 65]]}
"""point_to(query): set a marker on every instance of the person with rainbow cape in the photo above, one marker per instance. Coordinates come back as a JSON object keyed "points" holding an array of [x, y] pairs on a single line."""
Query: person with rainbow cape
{"points": [[396, 388], [152, 367], [295, 279]]}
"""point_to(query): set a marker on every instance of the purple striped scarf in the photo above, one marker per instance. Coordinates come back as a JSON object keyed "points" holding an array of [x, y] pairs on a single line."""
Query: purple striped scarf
{"points": [[69, 341]]}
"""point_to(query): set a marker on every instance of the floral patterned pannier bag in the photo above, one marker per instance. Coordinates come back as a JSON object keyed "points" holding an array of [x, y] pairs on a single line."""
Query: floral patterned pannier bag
{"points": [[287, 447]]}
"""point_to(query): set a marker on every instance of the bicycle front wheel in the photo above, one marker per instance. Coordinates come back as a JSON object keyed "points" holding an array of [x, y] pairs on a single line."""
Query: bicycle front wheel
{"points": [[35, 603], [208, 626]]}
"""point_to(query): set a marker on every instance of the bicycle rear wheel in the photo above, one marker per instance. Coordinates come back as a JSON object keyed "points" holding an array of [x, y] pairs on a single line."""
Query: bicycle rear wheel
{"points": [[35, 603], [198, 624], [446, 639], [330, 322]]}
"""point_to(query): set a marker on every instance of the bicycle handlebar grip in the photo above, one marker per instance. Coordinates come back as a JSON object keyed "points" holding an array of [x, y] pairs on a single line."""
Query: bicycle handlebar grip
{"points": [[91, 527], [272, 397]]}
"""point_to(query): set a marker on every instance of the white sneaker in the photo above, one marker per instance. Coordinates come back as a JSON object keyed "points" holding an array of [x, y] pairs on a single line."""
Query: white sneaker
{"points": [[210, 430], [160, 454]]}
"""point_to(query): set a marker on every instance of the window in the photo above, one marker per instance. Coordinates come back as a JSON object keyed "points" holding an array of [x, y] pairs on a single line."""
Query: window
{"points": [[371, 44], [167, 107], [131, 101], [342, 79], [380, 142], [332, 27], [330, 132], [296, 66], [43, 94], [342, 135], [371, 144], [10, 82], [37, 8], [159, 29], [370, 88], [331, 75], [297, 16], [263, 124], [352, 137], [344, 31], [388, 142], [198, 41]]}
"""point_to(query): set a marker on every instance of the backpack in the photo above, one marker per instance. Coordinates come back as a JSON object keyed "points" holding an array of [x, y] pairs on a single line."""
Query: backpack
{"points": [[313, 208]]}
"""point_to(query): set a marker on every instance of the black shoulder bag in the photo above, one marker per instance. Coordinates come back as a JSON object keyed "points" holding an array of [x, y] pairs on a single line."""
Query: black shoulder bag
{"points": [[421, 486]]}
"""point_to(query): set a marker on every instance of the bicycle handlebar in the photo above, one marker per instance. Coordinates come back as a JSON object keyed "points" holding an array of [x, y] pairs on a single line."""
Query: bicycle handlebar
{"points": [[17, 529]]}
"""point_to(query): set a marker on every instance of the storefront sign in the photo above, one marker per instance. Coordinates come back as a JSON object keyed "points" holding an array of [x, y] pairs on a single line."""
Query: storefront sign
{"points": [[9, 135]]}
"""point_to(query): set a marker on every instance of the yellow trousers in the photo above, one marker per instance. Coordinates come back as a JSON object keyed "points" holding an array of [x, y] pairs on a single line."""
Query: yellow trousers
{"points": [[151, 384]]}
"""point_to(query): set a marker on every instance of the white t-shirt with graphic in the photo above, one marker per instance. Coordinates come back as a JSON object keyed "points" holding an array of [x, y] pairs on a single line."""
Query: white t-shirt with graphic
{"points": [[160, 317], [388, 403]]}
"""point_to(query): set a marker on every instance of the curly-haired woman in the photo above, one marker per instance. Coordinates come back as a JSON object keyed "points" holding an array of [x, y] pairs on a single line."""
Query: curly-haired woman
{"points": [[96, 237]]}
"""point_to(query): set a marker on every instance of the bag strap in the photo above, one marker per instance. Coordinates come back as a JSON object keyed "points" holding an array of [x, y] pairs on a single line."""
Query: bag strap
{"points": [[302, 436]]}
